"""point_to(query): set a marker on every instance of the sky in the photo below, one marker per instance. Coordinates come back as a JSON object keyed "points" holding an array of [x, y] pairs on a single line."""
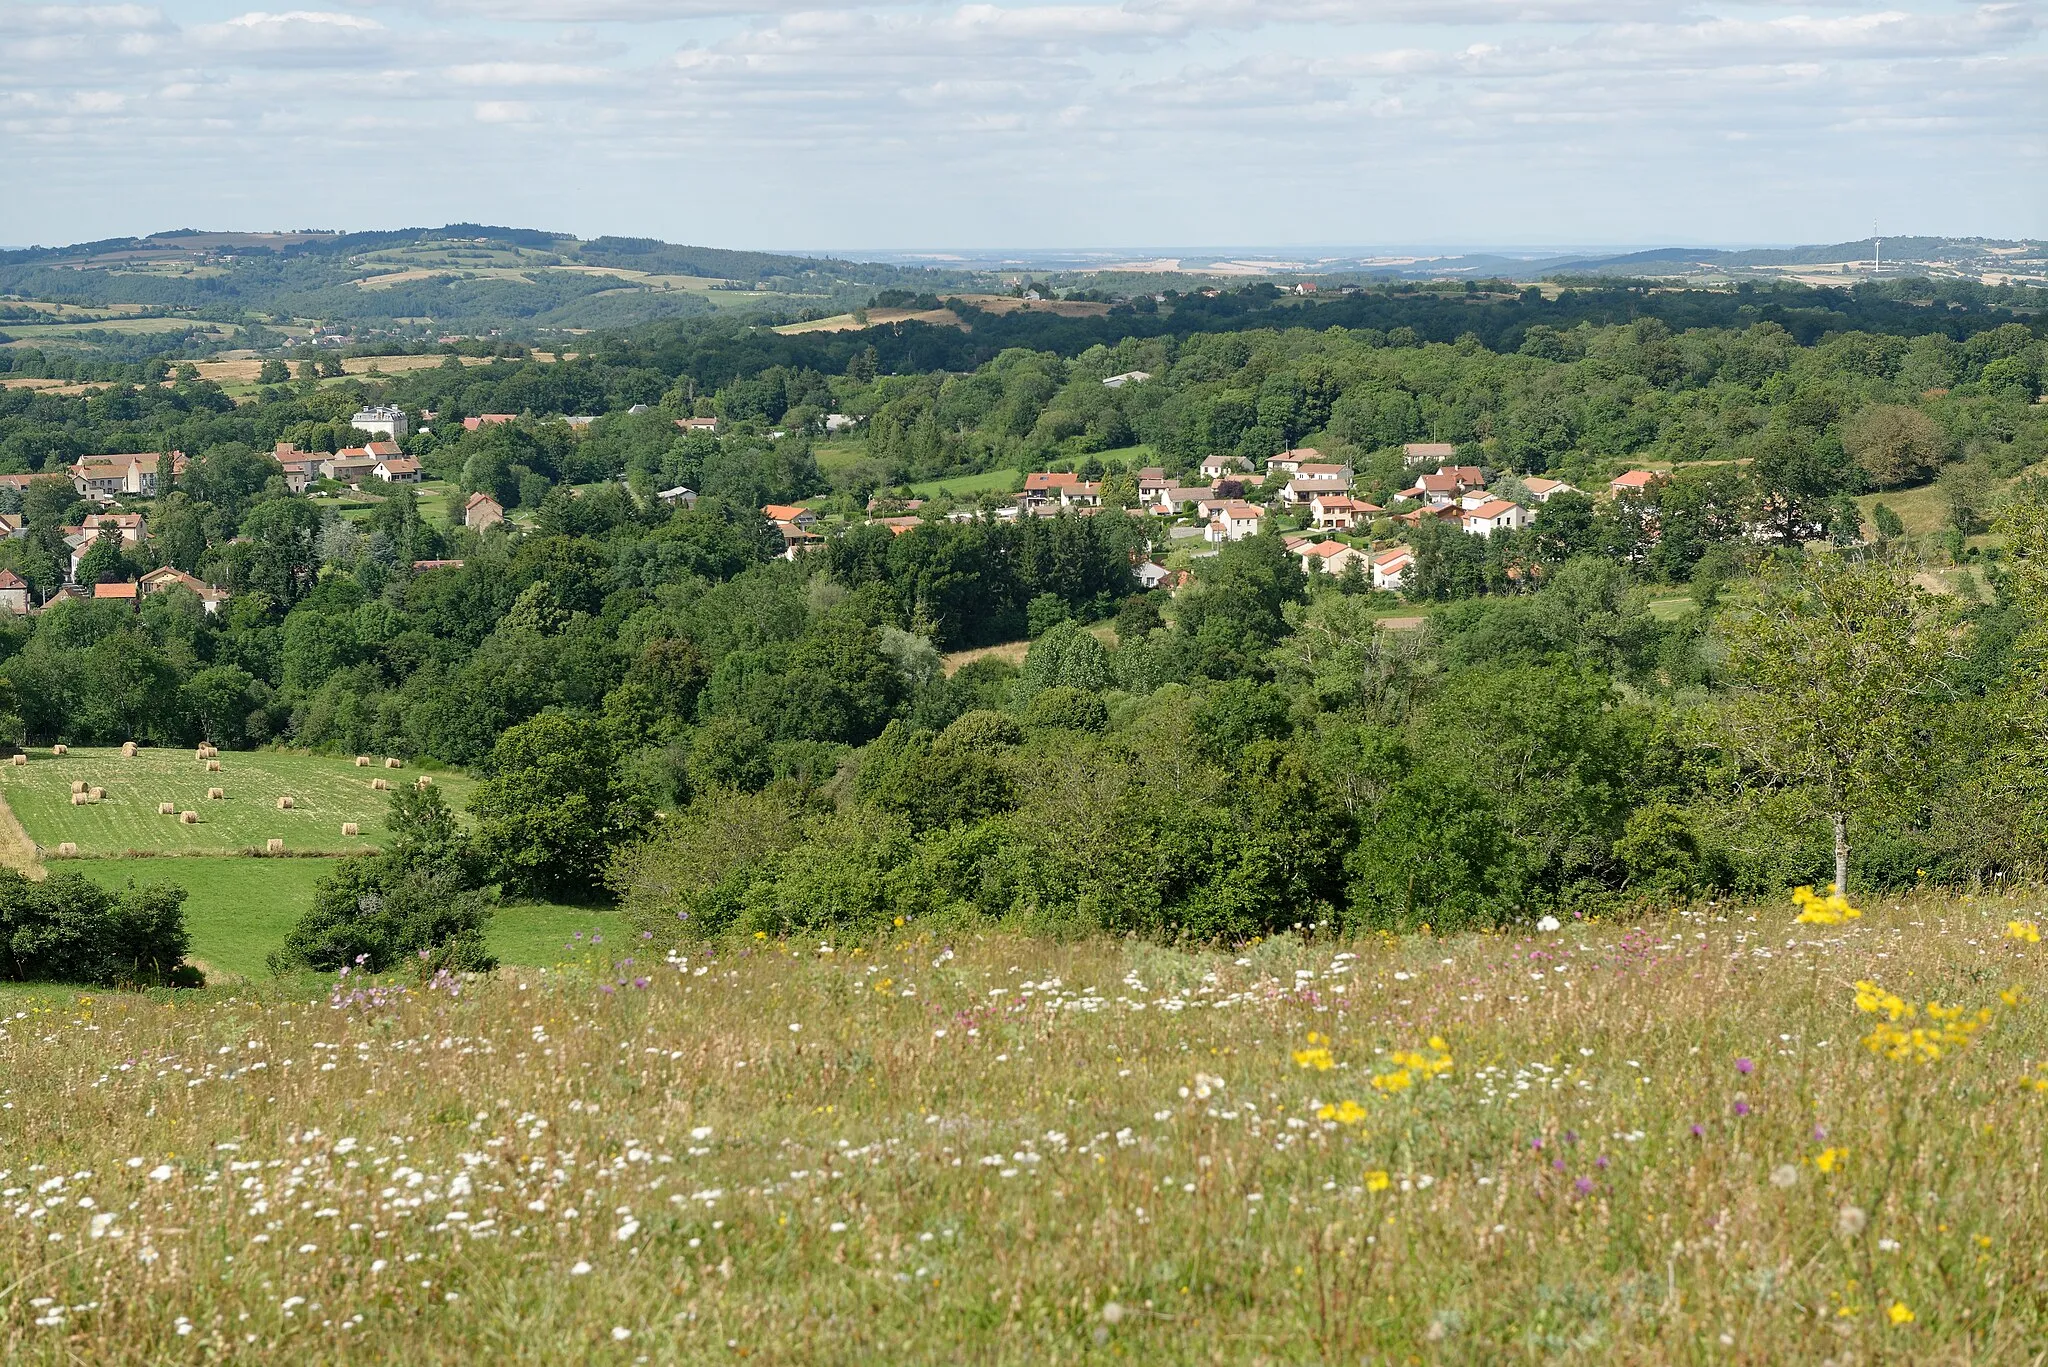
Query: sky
{"points": [[784, 124]]}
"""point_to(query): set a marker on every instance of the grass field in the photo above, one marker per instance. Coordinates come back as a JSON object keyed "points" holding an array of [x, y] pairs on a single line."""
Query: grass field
{"points": [[239, 910], [1657, 1142], [326, 791], [966, 486]]}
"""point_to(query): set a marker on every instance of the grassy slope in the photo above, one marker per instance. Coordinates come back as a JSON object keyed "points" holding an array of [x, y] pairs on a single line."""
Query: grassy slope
{"points": [[918, 1156], [327, 791]]}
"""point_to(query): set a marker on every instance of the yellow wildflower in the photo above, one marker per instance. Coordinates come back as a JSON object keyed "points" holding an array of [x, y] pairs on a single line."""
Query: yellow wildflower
{"points": [[1900, 1313], [2037, 1083], [1376, 1181], [2023, 930], [1870, 998], [1317, 1055], [1344, 1113], [1830, 1159], [1399, 1080], [1831, 910]]}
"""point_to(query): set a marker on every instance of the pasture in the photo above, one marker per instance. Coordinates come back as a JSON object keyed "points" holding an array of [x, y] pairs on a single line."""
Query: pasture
{"points": [[326, 791], [1711, 1136]]}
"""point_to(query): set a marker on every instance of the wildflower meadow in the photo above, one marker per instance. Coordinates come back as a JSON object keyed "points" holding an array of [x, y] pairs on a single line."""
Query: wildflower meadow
{"points": [[1790, 1133]]}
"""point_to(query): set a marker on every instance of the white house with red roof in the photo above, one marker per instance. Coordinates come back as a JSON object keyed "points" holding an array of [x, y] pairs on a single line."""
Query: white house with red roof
{"points": [[1543, 490], [1341, 512], [1332, 557], [1496, 515], [1390, 567], [1232, 520], [1634, 483]]}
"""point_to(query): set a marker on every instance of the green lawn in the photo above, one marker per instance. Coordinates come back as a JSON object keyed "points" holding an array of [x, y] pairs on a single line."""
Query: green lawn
{"points": [[239, 909], [326, 791], [965, 486]]}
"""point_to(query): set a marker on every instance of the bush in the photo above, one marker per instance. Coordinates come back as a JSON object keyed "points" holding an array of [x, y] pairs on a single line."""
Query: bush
{"points": [[375, 912], [70, 929], [1066, 709]]}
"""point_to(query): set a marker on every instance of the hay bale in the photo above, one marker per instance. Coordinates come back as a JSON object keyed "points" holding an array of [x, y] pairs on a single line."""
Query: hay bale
{"points": [[21, 759], [60, 749], [379, 785], [362, 761], [349, 828], [424, 784], [97, 793], [216, 794], [166, 809], [77, 785], [213, 766], [78, 799], [284, 804], [128, 750], [394, 764], [188, 818], [67, 850], [273, 846]]}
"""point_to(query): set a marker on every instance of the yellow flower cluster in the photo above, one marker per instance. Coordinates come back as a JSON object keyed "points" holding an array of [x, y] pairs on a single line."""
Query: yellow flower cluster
{"points": [[1831, 1158], [1344, 1113], [1317, 1055], [2038, 1080], [1948, 1027], [1410, 1064], [1815, 910], [2026, 931]]}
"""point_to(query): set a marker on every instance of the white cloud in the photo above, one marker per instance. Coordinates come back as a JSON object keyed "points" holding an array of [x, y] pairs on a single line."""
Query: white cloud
{"points": [[505, 111]]}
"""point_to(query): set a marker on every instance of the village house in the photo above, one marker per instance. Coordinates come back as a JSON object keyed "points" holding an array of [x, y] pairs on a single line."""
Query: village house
{"points": [[1341, 512], [1151, 575], [119, 593], [388, 420], [486, 420], [1292, 461], [797, 540], [20, 483], [397, 470], [1232, 520], [1042, 487], [166, 577], [1635, 484], [836, 422], [1172, 500], [1448, 512], [110, 477], [1081, 494], [1332, 557], [1390, 567], [898, 525], [1423, 452], [351, 466], [1128, 377], [481, 510], [792, 513], [66, 593], [1222, 467], [680, 495], [1305, 488], [15, 595], [1543, 490], [12, 525], [711, 424], [1495, 515]]}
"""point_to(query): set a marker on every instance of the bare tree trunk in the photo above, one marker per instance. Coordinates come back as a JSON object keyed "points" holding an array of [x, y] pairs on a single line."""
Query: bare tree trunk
{"points": [[1842, 853]]}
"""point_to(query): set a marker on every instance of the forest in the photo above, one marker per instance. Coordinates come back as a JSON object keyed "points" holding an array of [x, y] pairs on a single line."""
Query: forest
{"points": [[670, 716]]}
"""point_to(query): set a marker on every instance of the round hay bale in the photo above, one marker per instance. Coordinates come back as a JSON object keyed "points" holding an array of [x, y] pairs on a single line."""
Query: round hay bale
{"points": [[216, 794], [78, 799], [273, 846], [213, 766], [77, 785], [166, 809], [362, 761], [67, 850], [96, 793], [394, 764], [284, 804], [60, 749], [188, 818], [424, 784], [349, 828], [21, 759], [128, 750], [379, 785]]}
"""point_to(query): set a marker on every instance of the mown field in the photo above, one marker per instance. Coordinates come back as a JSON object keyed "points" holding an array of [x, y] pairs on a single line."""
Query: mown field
{"points": [[1666, 1141], [327, 791]]}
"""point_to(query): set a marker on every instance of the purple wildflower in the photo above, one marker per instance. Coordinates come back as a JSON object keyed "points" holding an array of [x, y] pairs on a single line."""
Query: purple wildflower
{"points": [[1744, 1066], [1742, 1108], [1585, 1186]]}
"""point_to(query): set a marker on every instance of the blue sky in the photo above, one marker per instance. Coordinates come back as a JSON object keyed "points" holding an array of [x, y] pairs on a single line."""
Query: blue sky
{"points": [[1118, 123]]}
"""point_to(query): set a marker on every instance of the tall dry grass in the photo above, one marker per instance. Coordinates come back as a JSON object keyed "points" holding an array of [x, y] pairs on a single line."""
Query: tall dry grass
{"points": [[1009, 1151]]}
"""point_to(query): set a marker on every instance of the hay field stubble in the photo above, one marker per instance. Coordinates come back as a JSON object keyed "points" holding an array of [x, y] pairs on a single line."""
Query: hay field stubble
{"points": [[326, 790], [1662, 1142]]}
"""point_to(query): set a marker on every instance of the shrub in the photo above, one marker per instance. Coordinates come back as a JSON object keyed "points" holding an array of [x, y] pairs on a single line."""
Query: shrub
{"points": [[377, 912], [70, 929]]}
